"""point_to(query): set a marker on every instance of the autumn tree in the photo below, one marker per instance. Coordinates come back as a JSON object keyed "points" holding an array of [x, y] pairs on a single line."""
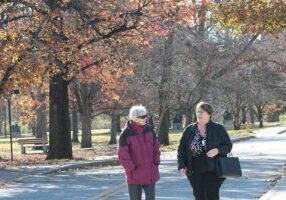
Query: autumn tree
{"points": [[59, 34], [259, 17], [2, 117]]}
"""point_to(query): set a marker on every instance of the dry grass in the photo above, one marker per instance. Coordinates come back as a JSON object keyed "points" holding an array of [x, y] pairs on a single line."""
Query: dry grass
{"points": [[100, 140]]}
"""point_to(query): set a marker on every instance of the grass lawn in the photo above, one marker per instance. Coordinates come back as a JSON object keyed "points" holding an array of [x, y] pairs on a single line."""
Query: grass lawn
{"points": [[100, 140], [175, 136]]}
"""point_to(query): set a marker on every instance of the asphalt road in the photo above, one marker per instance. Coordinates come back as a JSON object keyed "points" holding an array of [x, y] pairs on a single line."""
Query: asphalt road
{"points": [[261, 159]]}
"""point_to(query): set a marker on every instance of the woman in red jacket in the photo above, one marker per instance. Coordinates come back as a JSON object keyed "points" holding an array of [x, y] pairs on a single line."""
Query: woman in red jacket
{"points": [[139, 154]]}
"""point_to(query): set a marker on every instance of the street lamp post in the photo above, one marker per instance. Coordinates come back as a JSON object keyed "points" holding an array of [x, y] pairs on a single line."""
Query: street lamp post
{"points": [[10, 128], [15, 91]]}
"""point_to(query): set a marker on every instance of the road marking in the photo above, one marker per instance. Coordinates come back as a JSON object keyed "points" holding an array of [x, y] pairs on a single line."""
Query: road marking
{"points": [[108, 193], [21, 178]]}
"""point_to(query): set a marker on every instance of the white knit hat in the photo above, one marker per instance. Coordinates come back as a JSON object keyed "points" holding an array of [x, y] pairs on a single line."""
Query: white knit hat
{"points": [[136, 111]]}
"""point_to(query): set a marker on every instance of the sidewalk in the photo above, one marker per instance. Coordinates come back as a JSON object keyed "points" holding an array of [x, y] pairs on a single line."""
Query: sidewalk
{"points": [[10, 175], [279, 191]]}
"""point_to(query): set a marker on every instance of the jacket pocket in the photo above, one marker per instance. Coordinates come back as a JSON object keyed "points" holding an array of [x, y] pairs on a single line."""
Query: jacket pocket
{"points": [[136, 175], [155, 173]]}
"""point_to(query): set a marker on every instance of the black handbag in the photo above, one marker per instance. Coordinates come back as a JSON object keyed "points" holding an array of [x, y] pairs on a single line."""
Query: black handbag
{"points": [[228, 167]]}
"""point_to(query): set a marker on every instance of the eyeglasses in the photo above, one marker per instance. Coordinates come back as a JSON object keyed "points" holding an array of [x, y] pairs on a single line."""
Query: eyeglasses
{"points": [[200, 111], [142, 117]]}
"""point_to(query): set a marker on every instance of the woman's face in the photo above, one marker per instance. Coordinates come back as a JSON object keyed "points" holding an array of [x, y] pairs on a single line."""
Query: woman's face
{"points": [[202, 115], [141, 120]]}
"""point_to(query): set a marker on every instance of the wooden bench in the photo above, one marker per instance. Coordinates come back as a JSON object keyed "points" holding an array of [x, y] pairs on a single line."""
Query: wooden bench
{"points": [[33, 142]]}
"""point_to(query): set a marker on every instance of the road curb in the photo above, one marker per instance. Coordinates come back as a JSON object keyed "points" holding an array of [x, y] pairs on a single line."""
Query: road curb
{"points": [[278, 192], [109, 192], [281, 132], [242, 138], [110, 162], [97, 163], [104, 162]]}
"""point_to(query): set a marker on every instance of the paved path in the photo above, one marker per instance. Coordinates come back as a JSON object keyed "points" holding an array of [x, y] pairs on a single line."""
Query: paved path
{"points": [[262, 159]]}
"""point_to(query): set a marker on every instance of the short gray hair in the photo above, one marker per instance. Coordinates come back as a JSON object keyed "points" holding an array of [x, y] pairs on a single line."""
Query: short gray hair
{"points": [[136, 111]]}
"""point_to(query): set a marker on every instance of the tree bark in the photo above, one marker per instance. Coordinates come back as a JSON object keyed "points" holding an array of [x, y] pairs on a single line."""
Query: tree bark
{"points": [[74, 123], [1, 126], [164, 111], [115, 123], [86, 127], [60, 146], [251, 114], [118, 124], [236, 121], [60, 138], [243, 119], [2, 116], [190, 116], [41, 126], [113, 131], [163, 126], [84, 93], [85, 115], [259, 113], [260, 119], [5, 123]]}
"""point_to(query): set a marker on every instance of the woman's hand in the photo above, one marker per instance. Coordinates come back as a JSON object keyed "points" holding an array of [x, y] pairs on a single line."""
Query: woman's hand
{"points": [[183, 172], [212, 153]]}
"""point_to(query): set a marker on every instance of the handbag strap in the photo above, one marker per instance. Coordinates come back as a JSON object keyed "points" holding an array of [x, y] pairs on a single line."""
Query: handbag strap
{"points": [[230, 154]]}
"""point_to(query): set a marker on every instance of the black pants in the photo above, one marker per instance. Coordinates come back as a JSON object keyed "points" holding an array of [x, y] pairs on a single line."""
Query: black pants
{"points": [[135, 191], [206, 185]]}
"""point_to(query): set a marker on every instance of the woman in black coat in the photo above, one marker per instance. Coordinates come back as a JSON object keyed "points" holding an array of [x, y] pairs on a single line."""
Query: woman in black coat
{"points": [[200, 145]]}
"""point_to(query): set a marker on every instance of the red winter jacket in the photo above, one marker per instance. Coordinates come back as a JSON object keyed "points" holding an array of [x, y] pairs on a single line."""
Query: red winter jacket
{"points": [[139, 154]]}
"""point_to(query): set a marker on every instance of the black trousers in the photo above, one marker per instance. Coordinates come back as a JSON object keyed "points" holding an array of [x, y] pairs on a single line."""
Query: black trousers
{"points": [[206, 185], [135, 191]]}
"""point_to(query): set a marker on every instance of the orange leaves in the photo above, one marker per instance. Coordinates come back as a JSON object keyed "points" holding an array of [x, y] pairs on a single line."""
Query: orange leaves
{"points": [[92, 38], [257, 16], [27, 107]]}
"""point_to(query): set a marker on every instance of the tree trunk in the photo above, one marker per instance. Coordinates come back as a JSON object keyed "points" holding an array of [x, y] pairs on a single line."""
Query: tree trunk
{"points": [[60, 138], [33, 128], [41, 126], [163, 126], [74, 124], [1, 126], [259, 113], [190, 116], [5, 123], [251, 114], [115, 123], [243, 119], [260, 119], [277, 115], [236, 121], [2, 117], [85, 115], [164, 112], [113, 131], [118, 124]]}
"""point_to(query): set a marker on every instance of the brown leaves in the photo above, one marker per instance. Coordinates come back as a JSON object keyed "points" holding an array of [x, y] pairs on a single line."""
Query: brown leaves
{"points": [[93, 36], [258, 16]]}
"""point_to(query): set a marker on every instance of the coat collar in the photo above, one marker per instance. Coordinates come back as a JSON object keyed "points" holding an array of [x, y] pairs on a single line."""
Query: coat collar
{"points": [[210, 122]]}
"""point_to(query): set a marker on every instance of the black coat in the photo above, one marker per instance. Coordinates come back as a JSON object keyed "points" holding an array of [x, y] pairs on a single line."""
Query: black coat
{"points": [[217, 137]]}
